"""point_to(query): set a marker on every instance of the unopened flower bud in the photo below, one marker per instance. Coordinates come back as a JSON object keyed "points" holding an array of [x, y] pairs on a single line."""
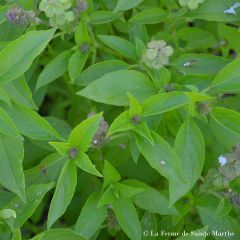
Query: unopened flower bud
{"points": [[84, 48], [73, 153], [81, 6], [18, 15], [136, 119]]}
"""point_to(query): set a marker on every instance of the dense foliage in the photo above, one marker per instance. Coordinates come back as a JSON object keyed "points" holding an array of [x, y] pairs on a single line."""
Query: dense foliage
{"points": [[119, 119]]}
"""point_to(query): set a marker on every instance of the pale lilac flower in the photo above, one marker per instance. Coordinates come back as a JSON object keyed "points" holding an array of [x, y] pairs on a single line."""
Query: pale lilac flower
{"points": [[231, 10], [222, 160]]}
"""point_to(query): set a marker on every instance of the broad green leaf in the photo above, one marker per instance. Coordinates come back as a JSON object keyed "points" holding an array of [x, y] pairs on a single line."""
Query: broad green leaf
{"points": [[163, 102], [4, 96], [76, 64], [110, 174], [48, 170], [30, 123], [17, 56], [19, 92], [58, 234], [219, 224], [134, 151], [63, 193], [126, 191], [11, 157], [213, 10], [190, 148], [196, 38], [123, 5], [91, 217], [225, 125], [227, 79], [61, 147], [143, 130], [121, 123], [149, 16], [199, 234], [84, 162], [81, 33], [197, 64], [17, 235], [97, 70], [149, 221], [107, 197], [7, 126], [128, 218], [161, 156], [112, 88], [135, 107], [120, 45], [82, 135], [34, 195], [101, 17], [54, 69], [150, 199]]}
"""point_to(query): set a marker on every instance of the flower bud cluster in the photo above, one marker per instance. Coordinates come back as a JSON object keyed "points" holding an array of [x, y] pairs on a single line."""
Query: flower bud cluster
{"points": [[100, 138], [57, 11], [19, 16], [157, 54], [192, 4]]}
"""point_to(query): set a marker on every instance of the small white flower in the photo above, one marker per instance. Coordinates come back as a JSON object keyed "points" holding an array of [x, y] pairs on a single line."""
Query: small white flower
{"points": [[230, 11], [163, 163], [222, 160]]}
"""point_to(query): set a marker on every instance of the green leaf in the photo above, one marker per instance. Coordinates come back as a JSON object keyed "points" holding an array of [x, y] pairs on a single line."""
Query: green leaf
{"points": [[163, 102], [197, 64], [76, 64], [128, 218], [30, 123], [196, 38], [97, 70], [34, 195], [190, 148], [4, 96], [101, 17], [82, 135], [199, 234], [149, 16], [19, 92], [135, 107], [48, 170], [58, 234], [143, 130], [17, 235], [151, 199], [81, 33], [61, 147], [83, 162], [120, 45], [219, 224], [17, 56], [112, 88], [121, 123], [160, 156], [54, 69], [227, 79], [63, 193], [126, 191], [110, 174], [107, 197], [11, 157], [225, 125], [91, 217], [213, 10], [123, 5]]}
